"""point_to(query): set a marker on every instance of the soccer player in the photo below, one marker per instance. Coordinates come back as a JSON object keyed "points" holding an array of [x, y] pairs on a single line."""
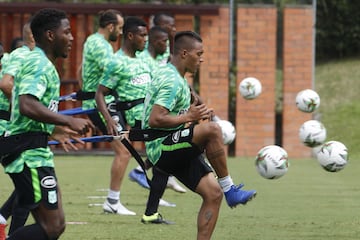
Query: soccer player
{"points": [[127, 76], [97, 51], [33, 118], [10, 69], [168, 107], [167, 22]]}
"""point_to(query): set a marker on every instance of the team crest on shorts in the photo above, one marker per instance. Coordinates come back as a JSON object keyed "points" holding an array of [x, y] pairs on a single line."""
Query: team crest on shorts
{"points": [[48, 182], [176, 136], [52, 197], [185, 132]]}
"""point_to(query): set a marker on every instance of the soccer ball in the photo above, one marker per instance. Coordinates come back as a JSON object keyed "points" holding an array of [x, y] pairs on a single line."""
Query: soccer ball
{"points": [[228, 131], [312, 133], [307, 100], [250, 88], [333, 156], [272, 162]]}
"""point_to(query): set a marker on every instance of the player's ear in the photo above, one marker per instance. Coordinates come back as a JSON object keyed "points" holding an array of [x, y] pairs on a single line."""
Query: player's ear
{"points": [[50, 35], [130, 35], [111, 27], [184, 52]]}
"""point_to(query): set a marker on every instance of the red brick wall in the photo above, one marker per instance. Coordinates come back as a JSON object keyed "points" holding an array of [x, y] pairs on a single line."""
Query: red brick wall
{"points": [[256, 57], [297, 74], [214, 71]]}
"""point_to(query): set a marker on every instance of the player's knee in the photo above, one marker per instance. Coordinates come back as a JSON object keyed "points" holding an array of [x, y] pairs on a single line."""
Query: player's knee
{"points": [[214, 130], [217, 195], [55, 230], [214, 195]]}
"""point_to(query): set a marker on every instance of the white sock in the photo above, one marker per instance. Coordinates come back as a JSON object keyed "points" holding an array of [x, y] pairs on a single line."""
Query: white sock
{"points": [[114, 195], [225, 183], [138, 168], [2, 219]]}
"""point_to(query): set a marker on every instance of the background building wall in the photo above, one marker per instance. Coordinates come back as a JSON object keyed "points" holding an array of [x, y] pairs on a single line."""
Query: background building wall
{"points": [[256, 47]]}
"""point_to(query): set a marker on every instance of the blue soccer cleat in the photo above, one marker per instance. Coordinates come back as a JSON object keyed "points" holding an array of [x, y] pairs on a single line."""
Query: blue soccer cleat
{"points": [[237, 196], [139, 177]]}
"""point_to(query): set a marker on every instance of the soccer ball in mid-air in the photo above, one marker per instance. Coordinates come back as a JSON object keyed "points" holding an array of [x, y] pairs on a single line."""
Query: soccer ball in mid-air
{"points": [[228, 131], [272, 162], [307, 100], [332, 156], [312, 133], [250, 88]]}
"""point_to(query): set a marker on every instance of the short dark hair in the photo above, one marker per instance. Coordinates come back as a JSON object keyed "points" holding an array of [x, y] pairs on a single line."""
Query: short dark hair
{"points": [[158, 16], [44, 20], [154, 31], [181, 40], [108, 16], [131, 25], [15, 42]]}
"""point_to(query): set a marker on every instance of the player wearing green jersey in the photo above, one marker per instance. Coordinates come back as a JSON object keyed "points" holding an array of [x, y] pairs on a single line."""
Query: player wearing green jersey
{"points": [[168, 106], [11, 68], [167, 22], [97, 50], [34, 117], [128, 77], [97, 53]]}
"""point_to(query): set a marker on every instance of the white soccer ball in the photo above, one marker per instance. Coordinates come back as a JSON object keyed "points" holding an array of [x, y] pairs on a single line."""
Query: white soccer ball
{"points": [[228, 131], [312, 133], [332, 156], [307, 100], [250, 88], [272, 162]]}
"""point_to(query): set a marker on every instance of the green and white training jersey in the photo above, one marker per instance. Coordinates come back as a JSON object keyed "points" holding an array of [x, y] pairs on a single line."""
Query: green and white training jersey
{"points": [[38, 77], [129, 77], [4, 102], [146, 57], [96, 53], [11, 66], [171, 91], [162, 59]]}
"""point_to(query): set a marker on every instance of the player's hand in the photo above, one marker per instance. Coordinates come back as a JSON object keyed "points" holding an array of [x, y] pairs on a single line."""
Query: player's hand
{"points": [[81, 125], [64, 135], [111, 126], [199, 111]]}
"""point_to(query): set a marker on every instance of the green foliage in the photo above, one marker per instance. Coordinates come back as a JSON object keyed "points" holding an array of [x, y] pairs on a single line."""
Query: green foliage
{"points": [[338, 29]]}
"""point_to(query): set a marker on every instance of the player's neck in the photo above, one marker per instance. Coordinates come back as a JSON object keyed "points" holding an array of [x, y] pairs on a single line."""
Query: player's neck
{"points": [[128, 51]]}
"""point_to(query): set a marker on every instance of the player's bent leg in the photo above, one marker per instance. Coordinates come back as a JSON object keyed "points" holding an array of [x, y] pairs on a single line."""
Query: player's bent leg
{"points": [[209, 136], [211, 193], [121, 159], [51, 220], [119, 164]]}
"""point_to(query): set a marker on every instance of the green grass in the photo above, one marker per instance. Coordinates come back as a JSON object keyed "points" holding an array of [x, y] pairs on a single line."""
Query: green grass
{"points": [[307, 203], [338, 87]]}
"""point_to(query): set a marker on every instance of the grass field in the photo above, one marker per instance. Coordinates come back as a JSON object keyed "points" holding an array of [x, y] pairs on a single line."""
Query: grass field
{"points": [[338, 86], [307, 203]]}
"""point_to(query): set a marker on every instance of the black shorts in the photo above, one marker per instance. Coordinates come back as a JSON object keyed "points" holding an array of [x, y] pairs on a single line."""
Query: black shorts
{"points": [[99, 122], [181, 158], [35, 185]]}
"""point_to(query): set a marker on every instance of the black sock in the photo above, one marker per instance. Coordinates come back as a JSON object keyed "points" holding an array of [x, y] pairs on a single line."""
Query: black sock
{"points": [[30, 232], [18, 218], [158, 185]]}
